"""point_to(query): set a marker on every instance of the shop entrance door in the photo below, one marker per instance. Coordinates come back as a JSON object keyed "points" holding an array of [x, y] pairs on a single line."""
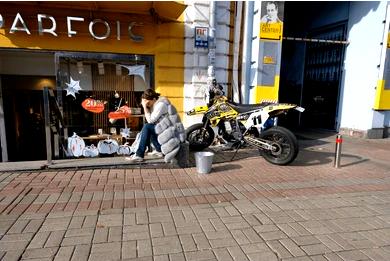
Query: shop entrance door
{"points": [[24, 121], [322, 78]]}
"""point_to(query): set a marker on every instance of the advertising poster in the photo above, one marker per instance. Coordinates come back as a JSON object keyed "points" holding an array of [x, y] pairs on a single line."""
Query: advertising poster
{"points": [[271, 23]]}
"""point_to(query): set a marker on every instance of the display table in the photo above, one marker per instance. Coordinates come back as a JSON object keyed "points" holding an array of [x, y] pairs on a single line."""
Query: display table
{"points": [[97, 137]]}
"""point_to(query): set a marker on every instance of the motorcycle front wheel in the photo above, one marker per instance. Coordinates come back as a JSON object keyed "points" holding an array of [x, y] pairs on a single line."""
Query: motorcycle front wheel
{"points": [[284, 146], [199, 137]]}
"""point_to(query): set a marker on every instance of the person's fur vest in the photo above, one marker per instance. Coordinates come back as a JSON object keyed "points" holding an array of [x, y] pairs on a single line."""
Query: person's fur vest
{"points": [[169, 129]]}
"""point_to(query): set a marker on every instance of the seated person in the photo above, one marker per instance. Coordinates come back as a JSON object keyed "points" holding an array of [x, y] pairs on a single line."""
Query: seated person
{"points": [[164, 128]]}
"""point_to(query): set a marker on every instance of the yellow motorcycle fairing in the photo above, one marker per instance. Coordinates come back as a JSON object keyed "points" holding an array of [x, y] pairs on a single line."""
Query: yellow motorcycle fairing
{"points": [[222, 110]]}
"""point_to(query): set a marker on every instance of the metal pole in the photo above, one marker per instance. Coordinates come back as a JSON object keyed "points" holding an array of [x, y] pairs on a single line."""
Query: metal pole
{"points": [[212, 44], [247, 50], [46, 106], [337, 156]]}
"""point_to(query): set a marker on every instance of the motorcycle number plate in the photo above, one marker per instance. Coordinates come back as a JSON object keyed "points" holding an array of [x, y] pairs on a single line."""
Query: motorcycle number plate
{"points": [[300, 109]]}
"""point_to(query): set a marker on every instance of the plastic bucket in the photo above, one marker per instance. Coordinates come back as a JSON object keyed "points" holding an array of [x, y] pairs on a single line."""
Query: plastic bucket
{"points": [[204, 161]]}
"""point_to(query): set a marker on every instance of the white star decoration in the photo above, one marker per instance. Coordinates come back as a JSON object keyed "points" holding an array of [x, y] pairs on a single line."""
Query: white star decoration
{"points": [[73, 87], [136, 70]]}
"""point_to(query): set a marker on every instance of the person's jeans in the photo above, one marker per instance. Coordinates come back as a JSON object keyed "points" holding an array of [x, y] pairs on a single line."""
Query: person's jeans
{"points": [[148, 134]]}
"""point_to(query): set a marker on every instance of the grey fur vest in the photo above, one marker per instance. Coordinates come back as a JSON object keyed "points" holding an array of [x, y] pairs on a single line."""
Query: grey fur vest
{"points": [[169, 129]]}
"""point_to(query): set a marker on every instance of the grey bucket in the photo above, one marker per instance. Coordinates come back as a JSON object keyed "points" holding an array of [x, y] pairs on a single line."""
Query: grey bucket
{"points": [[204, 161]]}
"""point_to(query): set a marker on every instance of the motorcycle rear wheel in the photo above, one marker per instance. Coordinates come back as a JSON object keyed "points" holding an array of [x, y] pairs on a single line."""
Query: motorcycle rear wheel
{"points": [[285, 146], [199, 137]]}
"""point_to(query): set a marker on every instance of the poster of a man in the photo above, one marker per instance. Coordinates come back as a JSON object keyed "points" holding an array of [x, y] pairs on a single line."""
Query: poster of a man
{"points": [[270, 12]]}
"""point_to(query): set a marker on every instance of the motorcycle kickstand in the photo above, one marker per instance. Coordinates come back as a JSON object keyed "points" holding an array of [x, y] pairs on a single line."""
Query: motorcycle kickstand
{"points": [[239, 146]]}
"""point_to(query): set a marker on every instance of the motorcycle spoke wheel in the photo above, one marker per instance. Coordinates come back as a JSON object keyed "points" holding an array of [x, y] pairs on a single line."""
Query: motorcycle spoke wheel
{"points": [[284, 146], [196, 137], [199, 137]]}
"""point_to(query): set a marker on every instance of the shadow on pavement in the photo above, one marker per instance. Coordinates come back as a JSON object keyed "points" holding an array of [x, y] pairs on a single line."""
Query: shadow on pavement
{"points": [[223, 168], [311, 158]]}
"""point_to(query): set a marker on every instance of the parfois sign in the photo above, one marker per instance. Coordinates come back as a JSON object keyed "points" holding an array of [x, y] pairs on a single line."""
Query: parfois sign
{"points": [[47, 24]]}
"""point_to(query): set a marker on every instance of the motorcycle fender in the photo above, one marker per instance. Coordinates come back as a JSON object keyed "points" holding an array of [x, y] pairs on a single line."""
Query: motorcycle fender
{"points": [[198, 110]]}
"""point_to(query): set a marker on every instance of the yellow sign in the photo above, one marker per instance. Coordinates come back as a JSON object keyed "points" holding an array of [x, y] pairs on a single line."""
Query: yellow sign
{"points": [[271, 31], [268, 60], [388, 40]]}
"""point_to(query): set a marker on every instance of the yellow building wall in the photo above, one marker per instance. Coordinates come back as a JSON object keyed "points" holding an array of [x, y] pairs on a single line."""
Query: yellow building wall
{"points": [[382, 99], [165, 41], [268, 93]]}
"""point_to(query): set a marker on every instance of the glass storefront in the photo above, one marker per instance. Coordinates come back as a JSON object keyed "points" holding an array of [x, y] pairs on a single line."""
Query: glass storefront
{"points": [[103, 80]]}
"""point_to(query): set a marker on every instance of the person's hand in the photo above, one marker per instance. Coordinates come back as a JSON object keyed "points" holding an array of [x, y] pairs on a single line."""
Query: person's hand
{"points": [[144, 103]]}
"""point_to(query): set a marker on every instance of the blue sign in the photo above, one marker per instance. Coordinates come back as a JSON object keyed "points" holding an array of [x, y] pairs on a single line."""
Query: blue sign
{"points": [[202, 37]]}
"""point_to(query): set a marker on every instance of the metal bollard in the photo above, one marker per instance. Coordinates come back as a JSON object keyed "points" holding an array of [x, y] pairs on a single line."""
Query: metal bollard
{"points": [[337, 156]]}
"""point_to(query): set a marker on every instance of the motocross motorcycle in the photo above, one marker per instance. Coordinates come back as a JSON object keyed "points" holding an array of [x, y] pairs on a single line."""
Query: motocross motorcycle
{"points": [[243, 125]]}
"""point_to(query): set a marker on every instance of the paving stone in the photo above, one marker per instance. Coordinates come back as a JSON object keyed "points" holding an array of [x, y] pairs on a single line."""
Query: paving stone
{"points": [[90, 221], [8, 244], [144, 248], [306, 240], [161, 258], [206, 225], [352, 255], [106, 251], [81, 252], [222, 254], [201, 241], [177, 257], [110, 220], [187, 243], [40, 253], [137, 232], [316, 249], [129, 249], [292, 247], [64, 253], [190, 228], [254, 248], [266, 255], [237, 253], [74, 241], [279, 249], [166, 245], [18, 226], [12, 255], [226, 242], [272, 235], [199, 255], [169, 229], [55, 224], [240, 237]]}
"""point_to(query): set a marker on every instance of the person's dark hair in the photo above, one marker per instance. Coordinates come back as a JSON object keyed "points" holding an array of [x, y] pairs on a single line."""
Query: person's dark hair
{"points": [[150, 94]]}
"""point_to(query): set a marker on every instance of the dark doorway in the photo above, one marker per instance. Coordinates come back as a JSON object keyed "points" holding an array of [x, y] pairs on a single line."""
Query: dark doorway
{"points": [[24, 120], [312, 57]]}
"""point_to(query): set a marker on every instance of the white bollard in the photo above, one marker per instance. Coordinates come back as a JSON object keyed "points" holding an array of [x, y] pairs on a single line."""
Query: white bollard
{"points": [[337, 156]]}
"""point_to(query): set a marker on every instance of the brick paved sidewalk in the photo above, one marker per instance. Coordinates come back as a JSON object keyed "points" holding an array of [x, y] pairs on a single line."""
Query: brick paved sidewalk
{"points": [[244, 210]]}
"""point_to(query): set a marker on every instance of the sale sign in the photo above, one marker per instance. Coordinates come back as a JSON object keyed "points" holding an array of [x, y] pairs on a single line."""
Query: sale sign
{"points": [[92, 105]]}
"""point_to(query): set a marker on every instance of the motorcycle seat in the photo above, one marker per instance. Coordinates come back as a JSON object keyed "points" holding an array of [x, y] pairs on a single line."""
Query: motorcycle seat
{"points": [[247, 107]]}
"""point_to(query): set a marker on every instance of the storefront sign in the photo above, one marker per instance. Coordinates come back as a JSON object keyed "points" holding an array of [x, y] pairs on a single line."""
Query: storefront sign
{"points": [[19, 25], [201, 37]]}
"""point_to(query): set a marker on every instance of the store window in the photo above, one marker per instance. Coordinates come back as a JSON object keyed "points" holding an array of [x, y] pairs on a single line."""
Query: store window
{"points": [[91, 88]]}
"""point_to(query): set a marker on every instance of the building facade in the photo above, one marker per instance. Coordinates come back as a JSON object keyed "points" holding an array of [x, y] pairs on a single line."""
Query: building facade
{"points": [[334, 63], [56, 44]]}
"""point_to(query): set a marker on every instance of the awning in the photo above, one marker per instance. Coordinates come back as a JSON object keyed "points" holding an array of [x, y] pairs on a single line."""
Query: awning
{"points": [[170, 10]]}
